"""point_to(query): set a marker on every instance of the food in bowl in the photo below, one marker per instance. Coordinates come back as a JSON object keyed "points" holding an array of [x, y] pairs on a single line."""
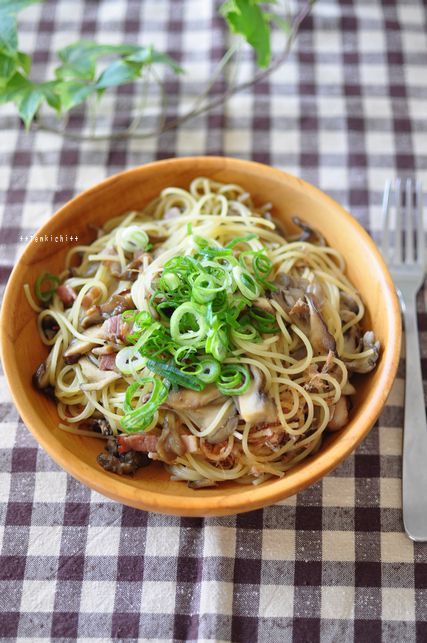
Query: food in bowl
{"points": [[198, 333]]}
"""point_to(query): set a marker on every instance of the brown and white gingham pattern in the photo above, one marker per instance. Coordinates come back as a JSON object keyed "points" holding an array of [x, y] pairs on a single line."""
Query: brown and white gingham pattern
{"points": [[332, 564]]}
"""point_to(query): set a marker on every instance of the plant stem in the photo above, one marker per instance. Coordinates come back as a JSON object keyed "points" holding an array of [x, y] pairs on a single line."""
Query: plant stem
{"points": [[198, 109]]}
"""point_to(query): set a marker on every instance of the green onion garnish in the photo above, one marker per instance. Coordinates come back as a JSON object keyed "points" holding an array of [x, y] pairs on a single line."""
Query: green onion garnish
{"points": [[175, 375], [204, 304], [132, 238], [138, 418], [188, 325], [234, 379], [45, 286]]}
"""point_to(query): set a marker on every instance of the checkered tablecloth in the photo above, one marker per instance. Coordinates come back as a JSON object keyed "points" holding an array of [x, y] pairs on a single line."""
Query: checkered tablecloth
{"points": [[332, 564]]}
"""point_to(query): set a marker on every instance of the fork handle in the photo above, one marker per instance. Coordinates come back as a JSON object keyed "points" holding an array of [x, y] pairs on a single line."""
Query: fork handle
{"points": [[414, 474]]}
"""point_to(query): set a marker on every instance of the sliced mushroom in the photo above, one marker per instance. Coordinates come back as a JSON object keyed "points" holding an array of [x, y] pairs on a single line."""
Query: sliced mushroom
{"points": [[212, 416], [348, 389], [133, 269], [203, 483], [41, 376], [93, 316], [254, 405], [97, 425], [300, 308], [79, 347], [170, 444], [308, 234], [339, 417], [223, 432], [115, 305], [41, 382], [320, 338], [183, 399], [114, 266], [97, 379], [347, 303], [50, 326], [352, 339], [221, 418], [123, 464], [278, 224], [291, 289], [366, 364]]}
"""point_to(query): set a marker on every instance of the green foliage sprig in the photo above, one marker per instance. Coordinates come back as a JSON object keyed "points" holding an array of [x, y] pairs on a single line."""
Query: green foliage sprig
{"points": [[87, 68]]}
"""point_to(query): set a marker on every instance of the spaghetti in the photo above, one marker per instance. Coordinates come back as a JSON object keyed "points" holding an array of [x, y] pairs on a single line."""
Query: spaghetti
{"points": [[195, 333]]}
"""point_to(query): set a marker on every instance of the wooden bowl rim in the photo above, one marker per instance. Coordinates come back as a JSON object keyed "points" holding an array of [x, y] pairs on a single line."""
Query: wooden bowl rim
{"points": [[249, 498]]}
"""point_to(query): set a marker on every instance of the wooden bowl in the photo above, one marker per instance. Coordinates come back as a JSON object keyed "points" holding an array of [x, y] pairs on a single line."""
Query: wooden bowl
{"points": [[151, 489]]}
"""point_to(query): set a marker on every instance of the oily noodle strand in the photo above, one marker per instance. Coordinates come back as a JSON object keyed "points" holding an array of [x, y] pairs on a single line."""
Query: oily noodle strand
{"points": [[219, 213]]}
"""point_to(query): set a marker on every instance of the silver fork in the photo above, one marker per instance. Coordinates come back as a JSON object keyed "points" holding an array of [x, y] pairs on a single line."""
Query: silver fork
{"points": [[406, 261]]}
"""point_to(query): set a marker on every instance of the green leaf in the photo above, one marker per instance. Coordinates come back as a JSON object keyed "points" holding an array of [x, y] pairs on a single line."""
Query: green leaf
{"points": [[149, 55], [26, 96], [246, 18], [7, 67], [8, 11], [29, 104], [50, 93], [8, 35], [14, 6], [80, 58], [24, 61], [119, 72], [73, 93], [14, 86]]}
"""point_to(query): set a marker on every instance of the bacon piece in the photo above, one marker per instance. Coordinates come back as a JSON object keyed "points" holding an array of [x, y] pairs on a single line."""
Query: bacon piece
{"points": [[66, 294], [142, 442], [107, 362], [115, 329], [90, 297]]}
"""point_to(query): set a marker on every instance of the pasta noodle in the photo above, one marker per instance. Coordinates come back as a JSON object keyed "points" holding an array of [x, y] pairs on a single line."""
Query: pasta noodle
{"points": [[195, 332]]}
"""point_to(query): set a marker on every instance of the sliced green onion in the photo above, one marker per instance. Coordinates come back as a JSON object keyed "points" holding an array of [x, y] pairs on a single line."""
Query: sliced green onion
{"points": [[140, 417], [210, 370], [143, 319], [170, 281], [207, 250], [192, 315], [246, 283], [45, 286], [264, 321], [237, 240], [182, 353], [129, 315], [217, 341], [132, 238], [205, 288], [234, 379], [175, 375], [247, 332], [130, 361]]}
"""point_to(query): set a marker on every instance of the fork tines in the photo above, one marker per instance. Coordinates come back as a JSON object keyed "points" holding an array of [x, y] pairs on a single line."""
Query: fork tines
{"points": [[403, 237]]}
